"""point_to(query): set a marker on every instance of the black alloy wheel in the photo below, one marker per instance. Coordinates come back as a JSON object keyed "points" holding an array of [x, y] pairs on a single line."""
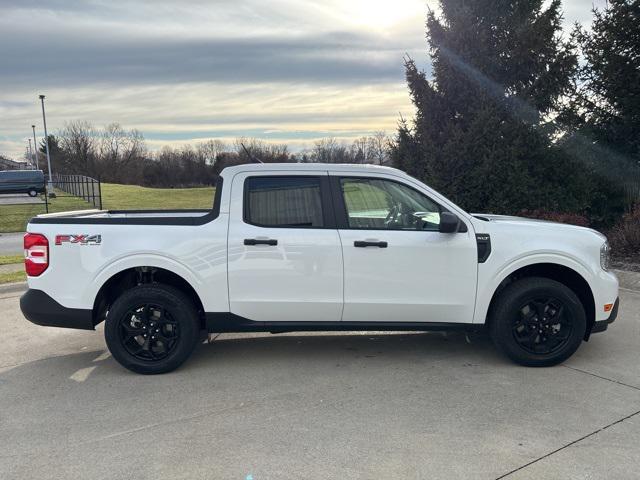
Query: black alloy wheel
{"points": [[537, 322], [152, 328], [149, 332], [542, 325]]}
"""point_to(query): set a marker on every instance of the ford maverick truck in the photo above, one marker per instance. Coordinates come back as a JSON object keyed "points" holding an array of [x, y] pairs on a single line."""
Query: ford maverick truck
{"points": [[314, 247]]}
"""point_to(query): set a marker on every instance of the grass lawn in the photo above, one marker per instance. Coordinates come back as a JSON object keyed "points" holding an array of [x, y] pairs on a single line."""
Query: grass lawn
{"points": [[14, 218], [10, 259], [129, 197], [13, 277]]}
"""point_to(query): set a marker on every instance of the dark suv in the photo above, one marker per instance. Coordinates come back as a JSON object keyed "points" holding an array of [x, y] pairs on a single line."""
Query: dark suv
{"points": [[22, 181]]}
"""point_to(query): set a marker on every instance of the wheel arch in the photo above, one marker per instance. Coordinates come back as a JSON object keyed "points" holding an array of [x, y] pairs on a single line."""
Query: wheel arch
{"points": [[554, 271], [129, 277]]}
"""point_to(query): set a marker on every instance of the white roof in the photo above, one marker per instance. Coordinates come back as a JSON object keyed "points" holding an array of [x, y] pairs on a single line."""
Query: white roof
{"points": [[311, 167]]}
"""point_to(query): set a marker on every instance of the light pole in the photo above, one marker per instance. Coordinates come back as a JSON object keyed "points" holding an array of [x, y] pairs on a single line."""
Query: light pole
{"points": [[31, 153], [35, 146], [46, 143]]}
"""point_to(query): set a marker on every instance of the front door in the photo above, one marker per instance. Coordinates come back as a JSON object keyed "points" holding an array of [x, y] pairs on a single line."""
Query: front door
{"points": [[397, 266], [285, 258]]}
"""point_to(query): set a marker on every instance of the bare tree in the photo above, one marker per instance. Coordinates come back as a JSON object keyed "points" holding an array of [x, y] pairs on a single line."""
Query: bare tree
{"points": [[264, 151], [329, 150], [360, 150], [210, 150], [379, 148], [78, 140], [119, 148]]}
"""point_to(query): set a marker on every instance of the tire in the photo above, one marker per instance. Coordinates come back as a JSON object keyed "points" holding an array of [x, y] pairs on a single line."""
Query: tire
{"points": [[152, 329], [534, 333], [32, 193]]}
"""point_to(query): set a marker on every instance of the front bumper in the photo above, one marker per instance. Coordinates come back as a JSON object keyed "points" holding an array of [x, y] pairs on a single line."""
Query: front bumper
{"points": [[602, 325], [41, 309]]}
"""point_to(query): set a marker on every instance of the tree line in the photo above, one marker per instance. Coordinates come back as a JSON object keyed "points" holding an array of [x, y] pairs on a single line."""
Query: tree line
{"points": [[117, 155]]}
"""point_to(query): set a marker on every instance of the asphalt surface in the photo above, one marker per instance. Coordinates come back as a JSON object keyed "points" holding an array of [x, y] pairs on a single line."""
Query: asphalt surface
{"points": [[297, 406], [11, 243], [19, 199]]}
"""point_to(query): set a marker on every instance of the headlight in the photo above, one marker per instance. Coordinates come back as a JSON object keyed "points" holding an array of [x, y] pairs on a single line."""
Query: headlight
{"points": [[605, 256]]}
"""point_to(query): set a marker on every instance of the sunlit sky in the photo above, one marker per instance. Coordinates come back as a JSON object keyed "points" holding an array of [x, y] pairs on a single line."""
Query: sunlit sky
{"points": [[186, 71]]}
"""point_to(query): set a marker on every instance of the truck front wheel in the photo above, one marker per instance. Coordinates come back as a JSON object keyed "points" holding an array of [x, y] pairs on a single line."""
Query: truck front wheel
{"points": [[152, 329], [537, 322]]}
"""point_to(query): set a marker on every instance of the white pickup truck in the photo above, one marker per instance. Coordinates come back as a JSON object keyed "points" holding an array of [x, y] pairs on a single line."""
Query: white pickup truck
{"points": [[315, 247]]}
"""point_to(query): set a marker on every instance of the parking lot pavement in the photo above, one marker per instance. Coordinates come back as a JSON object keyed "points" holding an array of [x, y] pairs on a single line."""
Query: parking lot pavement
{"points": [[19, 199], [11, 243], [346, 406]]}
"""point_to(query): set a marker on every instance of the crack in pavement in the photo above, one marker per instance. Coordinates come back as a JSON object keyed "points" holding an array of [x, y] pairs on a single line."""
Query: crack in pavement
{"points": [[568, 445], [601, 377], [586, 436]]}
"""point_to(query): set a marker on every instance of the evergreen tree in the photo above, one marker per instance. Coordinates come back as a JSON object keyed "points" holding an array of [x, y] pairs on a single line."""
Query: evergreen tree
{"points": [[605, 111], [55, 152], [500, 70], [612, 76]]}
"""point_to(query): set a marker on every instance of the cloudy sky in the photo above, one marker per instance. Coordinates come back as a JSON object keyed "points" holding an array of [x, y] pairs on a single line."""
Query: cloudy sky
{"points": [[186, 71]]}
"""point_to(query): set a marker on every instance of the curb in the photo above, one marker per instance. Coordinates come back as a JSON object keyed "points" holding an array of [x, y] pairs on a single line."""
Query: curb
{"points": [[13, 287]]}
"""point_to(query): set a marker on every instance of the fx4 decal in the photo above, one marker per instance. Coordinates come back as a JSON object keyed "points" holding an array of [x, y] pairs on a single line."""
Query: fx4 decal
{"points": [[79, 239]]}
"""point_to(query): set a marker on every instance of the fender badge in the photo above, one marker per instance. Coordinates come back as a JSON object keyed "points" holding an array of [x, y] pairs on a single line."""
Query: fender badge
{"points": [[79, 239]]}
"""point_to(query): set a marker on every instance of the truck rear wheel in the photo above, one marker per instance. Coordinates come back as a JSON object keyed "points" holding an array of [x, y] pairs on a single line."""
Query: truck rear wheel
{"points": [[152, 329], [538, 322]]}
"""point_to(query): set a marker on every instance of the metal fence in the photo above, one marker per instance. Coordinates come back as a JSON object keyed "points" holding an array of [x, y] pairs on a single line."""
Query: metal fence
{"points": [[21, 200], [87, 188]]}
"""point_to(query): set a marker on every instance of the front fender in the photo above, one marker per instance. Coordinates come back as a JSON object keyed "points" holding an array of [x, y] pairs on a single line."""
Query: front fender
{"points": [[490, 280]]}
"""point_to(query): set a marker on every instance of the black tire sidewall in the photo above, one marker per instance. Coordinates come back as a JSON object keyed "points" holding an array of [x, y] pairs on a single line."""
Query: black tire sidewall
{"points": [[180, 308], [507, 307]]}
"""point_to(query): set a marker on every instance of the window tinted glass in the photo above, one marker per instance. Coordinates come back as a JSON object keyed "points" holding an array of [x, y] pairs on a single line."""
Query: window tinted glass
{"points": [[383, 204], [283, 202]]}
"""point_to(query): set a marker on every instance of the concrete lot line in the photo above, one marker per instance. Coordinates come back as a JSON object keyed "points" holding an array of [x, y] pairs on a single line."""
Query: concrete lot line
{"points": [[569, 444], [601, 377]]}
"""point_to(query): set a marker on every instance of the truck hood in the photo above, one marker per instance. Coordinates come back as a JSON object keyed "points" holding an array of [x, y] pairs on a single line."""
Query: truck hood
{"points": [[511, 219], [508, 221]]}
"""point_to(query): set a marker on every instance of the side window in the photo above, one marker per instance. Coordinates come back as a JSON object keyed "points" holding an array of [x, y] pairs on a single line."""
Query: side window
{"points": [[293, 202], [373, 203]]}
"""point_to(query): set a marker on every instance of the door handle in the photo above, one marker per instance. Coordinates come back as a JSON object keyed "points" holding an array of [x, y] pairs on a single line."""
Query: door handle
{"points": [[260, 241], [365, 243]]}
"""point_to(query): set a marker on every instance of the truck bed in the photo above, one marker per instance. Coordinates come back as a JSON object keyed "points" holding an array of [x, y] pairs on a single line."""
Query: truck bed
{"points": [[145, 217]]}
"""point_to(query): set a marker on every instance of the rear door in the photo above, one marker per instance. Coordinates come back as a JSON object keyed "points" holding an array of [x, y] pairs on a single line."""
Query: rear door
{"points": [[397, 266], [285, 257]]}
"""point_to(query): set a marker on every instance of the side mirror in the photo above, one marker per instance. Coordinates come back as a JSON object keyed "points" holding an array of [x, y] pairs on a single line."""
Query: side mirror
{"points": [[449, 223]]}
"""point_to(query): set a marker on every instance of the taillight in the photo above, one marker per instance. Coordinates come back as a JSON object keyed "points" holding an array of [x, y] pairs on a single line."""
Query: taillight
{"points": [[36, 254]]}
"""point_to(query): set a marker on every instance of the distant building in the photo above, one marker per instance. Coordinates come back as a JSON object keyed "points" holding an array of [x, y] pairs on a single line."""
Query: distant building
{"points": [[8, 164]]}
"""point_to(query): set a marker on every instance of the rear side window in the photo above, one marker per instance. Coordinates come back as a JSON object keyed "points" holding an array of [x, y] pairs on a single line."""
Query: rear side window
{"points": [[293, 202]]}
